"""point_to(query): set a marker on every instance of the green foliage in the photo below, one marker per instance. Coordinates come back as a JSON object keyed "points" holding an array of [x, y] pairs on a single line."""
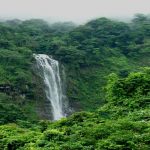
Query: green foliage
{"points": [[88, 131], [88, 53], [132, 91]]}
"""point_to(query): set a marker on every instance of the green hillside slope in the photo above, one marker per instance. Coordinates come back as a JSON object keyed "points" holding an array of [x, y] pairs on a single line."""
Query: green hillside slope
{"points": [[122, 123], [88, 52]]}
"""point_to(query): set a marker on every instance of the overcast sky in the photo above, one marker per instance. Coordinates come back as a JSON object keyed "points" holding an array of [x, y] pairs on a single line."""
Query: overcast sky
{"points": [[72, 10]]}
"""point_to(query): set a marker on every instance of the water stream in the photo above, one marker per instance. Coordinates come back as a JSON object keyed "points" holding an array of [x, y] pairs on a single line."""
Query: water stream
{"points": [[49, 69]]}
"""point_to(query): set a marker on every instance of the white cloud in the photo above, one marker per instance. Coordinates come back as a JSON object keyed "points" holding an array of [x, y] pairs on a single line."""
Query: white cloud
{"points": [[76, 10]]}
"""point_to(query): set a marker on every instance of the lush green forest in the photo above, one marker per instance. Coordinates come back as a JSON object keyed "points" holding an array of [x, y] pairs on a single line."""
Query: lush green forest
{"points": [[107, 66]]}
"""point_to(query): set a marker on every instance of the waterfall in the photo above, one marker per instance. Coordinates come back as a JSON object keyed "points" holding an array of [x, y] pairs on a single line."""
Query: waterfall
{"points": [[49, 69]]}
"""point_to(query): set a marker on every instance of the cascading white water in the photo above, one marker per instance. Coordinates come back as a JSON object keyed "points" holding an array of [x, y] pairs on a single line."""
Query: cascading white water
{"points": [[51, 76]]}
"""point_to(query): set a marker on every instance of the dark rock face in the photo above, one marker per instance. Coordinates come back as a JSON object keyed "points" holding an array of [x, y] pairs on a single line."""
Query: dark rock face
{"points": [[43, 106], [6, 88], [43, 109]]}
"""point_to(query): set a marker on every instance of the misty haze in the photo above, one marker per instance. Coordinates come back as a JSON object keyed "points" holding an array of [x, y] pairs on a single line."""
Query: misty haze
{"points": [[74, 74], [78, 11]]}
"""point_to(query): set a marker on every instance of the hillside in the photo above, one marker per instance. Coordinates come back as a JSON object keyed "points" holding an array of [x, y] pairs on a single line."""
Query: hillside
{"points": [[122, 123], [74, 74], [89, 53]]}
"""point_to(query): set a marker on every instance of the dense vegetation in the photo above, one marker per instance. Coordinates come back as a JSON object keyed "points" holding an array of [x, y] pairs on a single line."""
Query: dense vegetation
{"points": [[108, 78], [122, 123]]}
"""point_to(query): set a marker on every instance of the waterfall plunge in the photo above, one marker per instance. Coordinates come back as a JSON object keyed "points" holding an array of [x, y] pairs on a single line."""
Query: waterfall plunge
{"points": [[51, 76]]}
